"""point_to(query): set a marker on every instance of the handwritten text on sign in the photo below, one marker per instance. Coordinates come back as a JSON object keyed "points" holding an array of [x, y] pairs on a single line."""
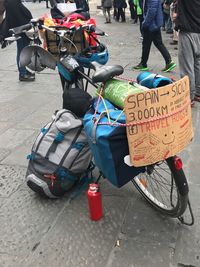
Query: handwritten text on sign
{"points": [[160, 122]]}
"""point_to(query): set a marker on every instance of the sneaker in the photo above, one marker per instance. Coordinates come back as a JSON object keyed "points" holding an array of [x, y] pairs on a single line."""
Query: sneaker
{"points": [[27, 78], [169, 66], [140, 67]]}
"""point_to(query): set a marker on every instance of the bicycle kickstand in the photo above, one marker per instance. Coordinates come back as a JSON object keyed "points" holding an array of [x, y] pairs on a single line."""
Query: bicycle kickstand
{"points": [[181, 218]]}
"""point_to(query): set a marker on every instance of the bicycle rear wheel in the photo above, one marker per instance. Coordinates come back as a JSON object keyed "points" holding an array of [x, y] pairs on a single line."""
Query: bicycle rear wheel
{"points": [[164, 186]]}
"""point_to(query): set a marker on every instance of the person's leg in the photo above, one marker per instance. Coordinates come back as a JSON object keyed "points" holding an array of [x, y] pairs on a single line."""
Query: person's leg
{"points": [[115, 13], [21, 43], [123, 15], [105, 15], [157, 40], [164, 21], [131, 9], [146, 46], [120, 11], [109, 15], [169, 25], [186, 60], [197, 76], [118, 14], [141, 20], [136, 15], [197, 65]]}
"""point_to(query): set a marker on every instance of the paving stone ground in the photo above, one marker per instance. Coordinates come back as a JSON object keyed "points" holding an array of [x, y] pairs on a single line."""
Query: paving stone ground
{"points": [[39, 232]]}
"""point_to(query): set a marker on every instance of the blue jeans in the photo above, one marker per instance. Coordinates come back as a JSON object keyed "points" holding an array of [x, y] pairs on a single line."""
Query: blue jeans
{"points": [[21, 43]]}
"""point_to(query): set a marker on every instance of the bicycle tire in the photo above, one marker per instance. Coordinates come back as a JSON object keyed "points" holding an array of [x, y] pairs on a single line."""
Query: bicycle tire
{"points": [[177, 204]]}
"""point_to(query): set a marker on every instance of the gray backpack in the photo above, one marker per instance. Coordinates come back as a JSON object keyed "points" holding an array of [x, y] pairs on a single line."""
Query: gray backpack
{"points": [[60, 156]]}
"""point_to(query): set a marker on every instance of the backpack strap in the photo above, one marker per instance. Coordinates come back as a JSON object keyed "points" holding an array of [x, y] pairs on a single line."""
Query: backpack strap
{"points": [[70, 147], [58, 139]]}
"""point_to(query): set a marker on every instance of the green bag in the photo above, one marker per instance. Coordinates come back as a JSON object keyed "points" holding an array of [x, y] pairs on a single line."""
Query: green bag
{"points": [[116, 91]]}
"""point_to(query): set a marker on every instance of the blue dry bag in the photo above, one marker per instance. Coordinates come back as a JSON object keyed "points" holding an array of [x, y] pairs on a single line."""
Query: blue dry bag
{"points": [[152, 80], [109, 143]]}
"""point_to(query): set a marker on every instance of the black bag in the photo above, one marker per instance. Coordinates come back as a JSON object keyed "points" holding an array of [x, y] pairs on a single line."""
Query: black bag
{"points": [[76, 100]]}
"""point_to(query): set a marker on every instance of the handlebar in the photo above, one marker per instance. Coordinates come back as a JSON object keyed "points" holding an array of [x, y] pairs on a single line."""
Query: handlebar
{"points": [[24, 28], [20, 29]]}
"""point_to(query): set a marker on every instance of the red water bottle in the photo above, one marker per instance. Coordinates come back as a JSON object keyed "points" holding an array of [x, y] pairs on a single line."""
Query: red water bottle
{"points": [[94, 202]]}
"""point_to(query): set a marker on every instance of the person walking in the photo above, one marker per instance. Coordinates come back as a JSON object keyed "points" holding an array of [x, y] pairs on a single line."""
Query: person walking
{"points": [[16, 14], [153, 20], [188, 24], [107, 5]]}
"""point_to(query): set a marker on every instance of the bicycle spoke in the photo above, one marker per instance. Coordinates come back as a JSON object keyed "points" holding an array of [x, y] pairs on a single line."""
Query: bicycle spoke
{"points": [[158, 185]]}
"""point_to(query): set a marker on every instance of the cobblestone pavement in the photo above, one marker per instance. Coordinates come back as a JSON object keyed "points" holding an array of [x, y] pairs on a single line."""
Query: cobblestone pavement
{"points": [[38, 232]]}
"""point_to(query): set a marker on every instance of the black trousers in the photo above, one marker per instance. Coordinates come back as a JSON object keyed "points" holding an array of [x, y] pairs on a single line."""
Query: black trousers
{"points": [[156, 38], [120, 13], [132, 10]]}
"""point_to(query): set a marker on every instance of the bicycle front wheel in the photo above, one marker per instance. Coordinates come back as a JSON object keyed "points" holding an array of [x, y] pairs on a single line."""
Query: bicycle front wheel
{"points": [[164, 186]]}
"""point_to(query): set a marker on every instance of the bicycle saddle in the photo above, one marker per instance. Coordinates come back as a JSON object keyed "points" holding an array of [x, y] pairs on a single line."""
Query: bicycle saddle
{"points": [[107, 72]]}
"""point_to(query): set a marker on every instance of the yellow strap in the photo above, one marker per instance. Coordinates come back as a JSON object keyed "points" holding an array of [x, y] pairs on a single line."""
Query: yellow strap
{"points": [[107, 112], [118, 117]]}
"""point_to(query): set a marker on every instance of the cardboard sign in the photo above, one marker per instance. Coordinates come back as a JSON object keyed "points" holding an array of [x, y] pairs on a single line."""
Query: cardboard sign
{"points": [[160, 123]]}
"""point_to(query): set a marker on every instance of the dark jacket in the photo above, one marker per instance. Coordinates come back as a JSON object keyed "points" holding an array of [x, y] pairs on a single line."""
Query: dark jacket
{"points": [[119, 3], [153, 15], [83, 4], [16, 15], [106, 3], [188, 16]]}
